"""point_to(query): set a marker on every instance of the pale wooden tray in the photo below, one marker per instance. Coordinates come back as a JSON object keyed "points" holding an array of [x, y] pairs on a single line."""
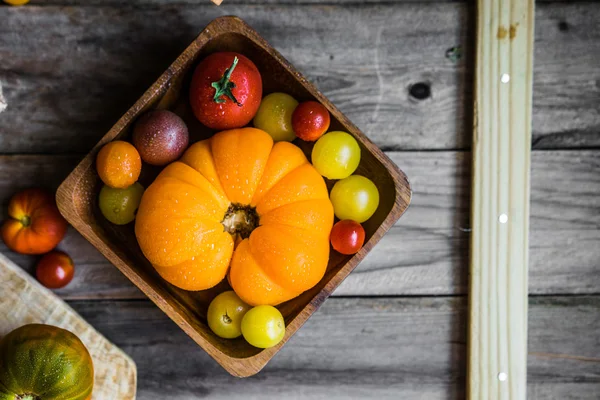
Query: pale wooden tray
{"points": [[24, 301]]}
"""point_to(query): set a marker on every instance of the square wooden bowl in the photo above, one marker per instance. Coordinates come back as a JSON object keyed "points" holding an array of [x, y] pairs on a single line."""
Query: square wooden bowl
{"points": [[77, 196]]}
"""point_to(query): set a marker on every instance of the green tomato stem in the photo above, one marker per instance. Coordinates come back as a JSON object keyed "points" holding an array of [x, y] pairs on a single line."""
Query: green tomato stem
{"points": [[224, 85], [26, 221]]}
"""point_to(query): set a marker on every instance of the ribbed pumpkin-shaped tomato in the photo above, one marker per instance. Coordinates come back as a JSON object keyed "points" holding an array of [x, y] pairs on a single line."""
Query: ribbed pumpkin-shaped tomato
{"points": [[237, 204], [43, 362]]}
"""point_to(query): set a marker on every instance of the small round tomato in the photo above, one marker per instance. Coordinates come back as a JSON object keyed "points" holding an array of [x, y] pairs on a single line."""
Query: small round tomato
{"points": [[34, 224], [226, 90], [347, 236], [118, 164], [263, 326], [274, 116], [120, 205], [225, 315], [16, 2], [336, 155], [310, 120], [355, 198], [55, 270]]}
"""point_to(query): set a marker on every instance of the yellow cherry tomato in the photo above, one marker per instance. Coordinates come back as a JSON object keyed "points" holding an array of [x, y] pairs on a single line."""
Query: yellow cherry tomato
{"points": [[274, 116], [225, 315], [336, 155], [263, 326], [355, 198]]}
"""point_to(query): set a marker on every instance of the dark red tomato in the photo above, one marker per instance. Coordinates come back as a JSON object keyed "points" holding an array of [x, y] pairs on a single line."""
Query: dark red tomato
{"points": [[347, 236], [310, 120], [55, 270], [226, 91]]}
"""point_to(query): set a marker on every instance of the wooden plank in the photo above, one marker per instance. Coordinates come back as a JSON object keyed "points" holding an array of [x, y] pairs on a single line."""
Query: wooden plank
{"points": [[380, 348], [148, 3], [426, 253], [70, 72], [498, 278]]}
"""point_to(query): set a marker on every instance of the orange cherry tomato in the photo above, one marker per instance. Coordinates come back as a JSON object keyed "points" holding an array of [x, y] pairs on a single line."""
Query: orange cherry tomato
{"points": [[35, 225], [16, 2], [55, 270], [119, 164], [310, 120], [347, 236]]}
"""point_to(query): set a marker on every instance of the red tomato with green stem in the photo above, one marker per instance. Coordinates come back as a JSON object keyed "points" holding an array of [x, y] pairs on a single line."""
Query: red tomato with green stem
{"points": [[226, 91], [55, 270], [310, 120], [347, 236]]}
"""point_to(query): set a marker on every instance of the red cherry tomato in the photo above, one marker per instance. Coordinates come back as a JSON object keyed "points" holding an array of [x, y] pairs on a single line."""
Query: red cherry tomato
{"points": [[55, 270], [347, 236], [226, 91], [310, 120]]}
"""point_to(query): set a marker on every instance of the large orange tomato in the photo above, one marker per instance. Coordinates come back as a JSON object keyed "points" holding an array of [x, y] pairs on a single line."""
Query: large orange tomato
{"points": [[35, 225], [237, 204]]}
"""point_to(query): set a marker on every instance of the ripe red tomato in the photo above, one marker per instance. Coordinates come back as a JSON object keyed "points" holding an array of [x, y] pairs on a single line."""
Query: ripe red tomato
{"points": [[347, 236], [310, 120], [55, 270], [226, 91]]}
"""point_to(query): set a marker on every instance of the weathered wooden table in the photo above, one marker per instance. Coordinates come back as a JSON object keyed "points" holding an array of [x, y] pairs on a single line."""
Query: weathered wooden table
{"points": [[396, 328]]}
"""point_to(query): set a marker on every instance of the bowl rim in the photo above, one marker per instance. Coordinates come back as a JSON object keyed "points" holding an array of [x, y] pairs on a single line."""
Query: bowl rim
{"points": [[241, 367]]}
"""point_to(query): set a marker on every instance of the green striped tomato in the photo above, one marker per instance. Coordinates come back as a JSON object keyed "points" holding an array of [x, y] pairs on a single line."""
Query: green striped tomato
{"points": [[43, 362]]}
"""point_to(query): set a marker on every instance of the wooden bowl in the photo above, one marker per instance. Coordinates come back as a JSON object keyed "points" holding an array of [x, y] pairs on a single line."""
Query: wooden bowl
{"points": [[77, 196]]}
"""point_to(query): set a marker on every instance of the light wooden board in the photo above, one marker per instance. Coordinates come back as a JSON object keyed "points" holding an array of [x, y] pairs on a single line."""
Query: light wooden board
{"points": [[71, 72], [24, 301], [369, 348], [497, 348], [426, 253]]}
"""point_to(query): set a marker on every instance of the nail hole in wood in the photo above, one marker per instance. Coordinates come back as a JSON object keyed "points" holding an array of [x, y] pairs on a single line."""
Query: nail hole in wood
{"points": [[420, 90], [563, 26]]}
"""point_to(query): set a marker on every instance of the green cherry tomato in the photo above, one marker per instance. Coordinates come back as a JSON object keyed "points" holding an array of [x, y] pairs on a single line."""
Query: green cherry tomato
{"points": [[263, 327], [355, 198], [120, 205], [336, 155], [274, 116], [225, 315]]}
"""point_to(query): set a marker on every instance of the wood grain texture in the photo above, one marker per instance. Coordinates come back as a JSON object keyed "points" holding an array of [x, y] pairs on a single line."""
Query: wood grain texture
{"points": [[426, 253], [70, 72], [383, 348], [498, 274], [149, 3], [25, 301]]}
